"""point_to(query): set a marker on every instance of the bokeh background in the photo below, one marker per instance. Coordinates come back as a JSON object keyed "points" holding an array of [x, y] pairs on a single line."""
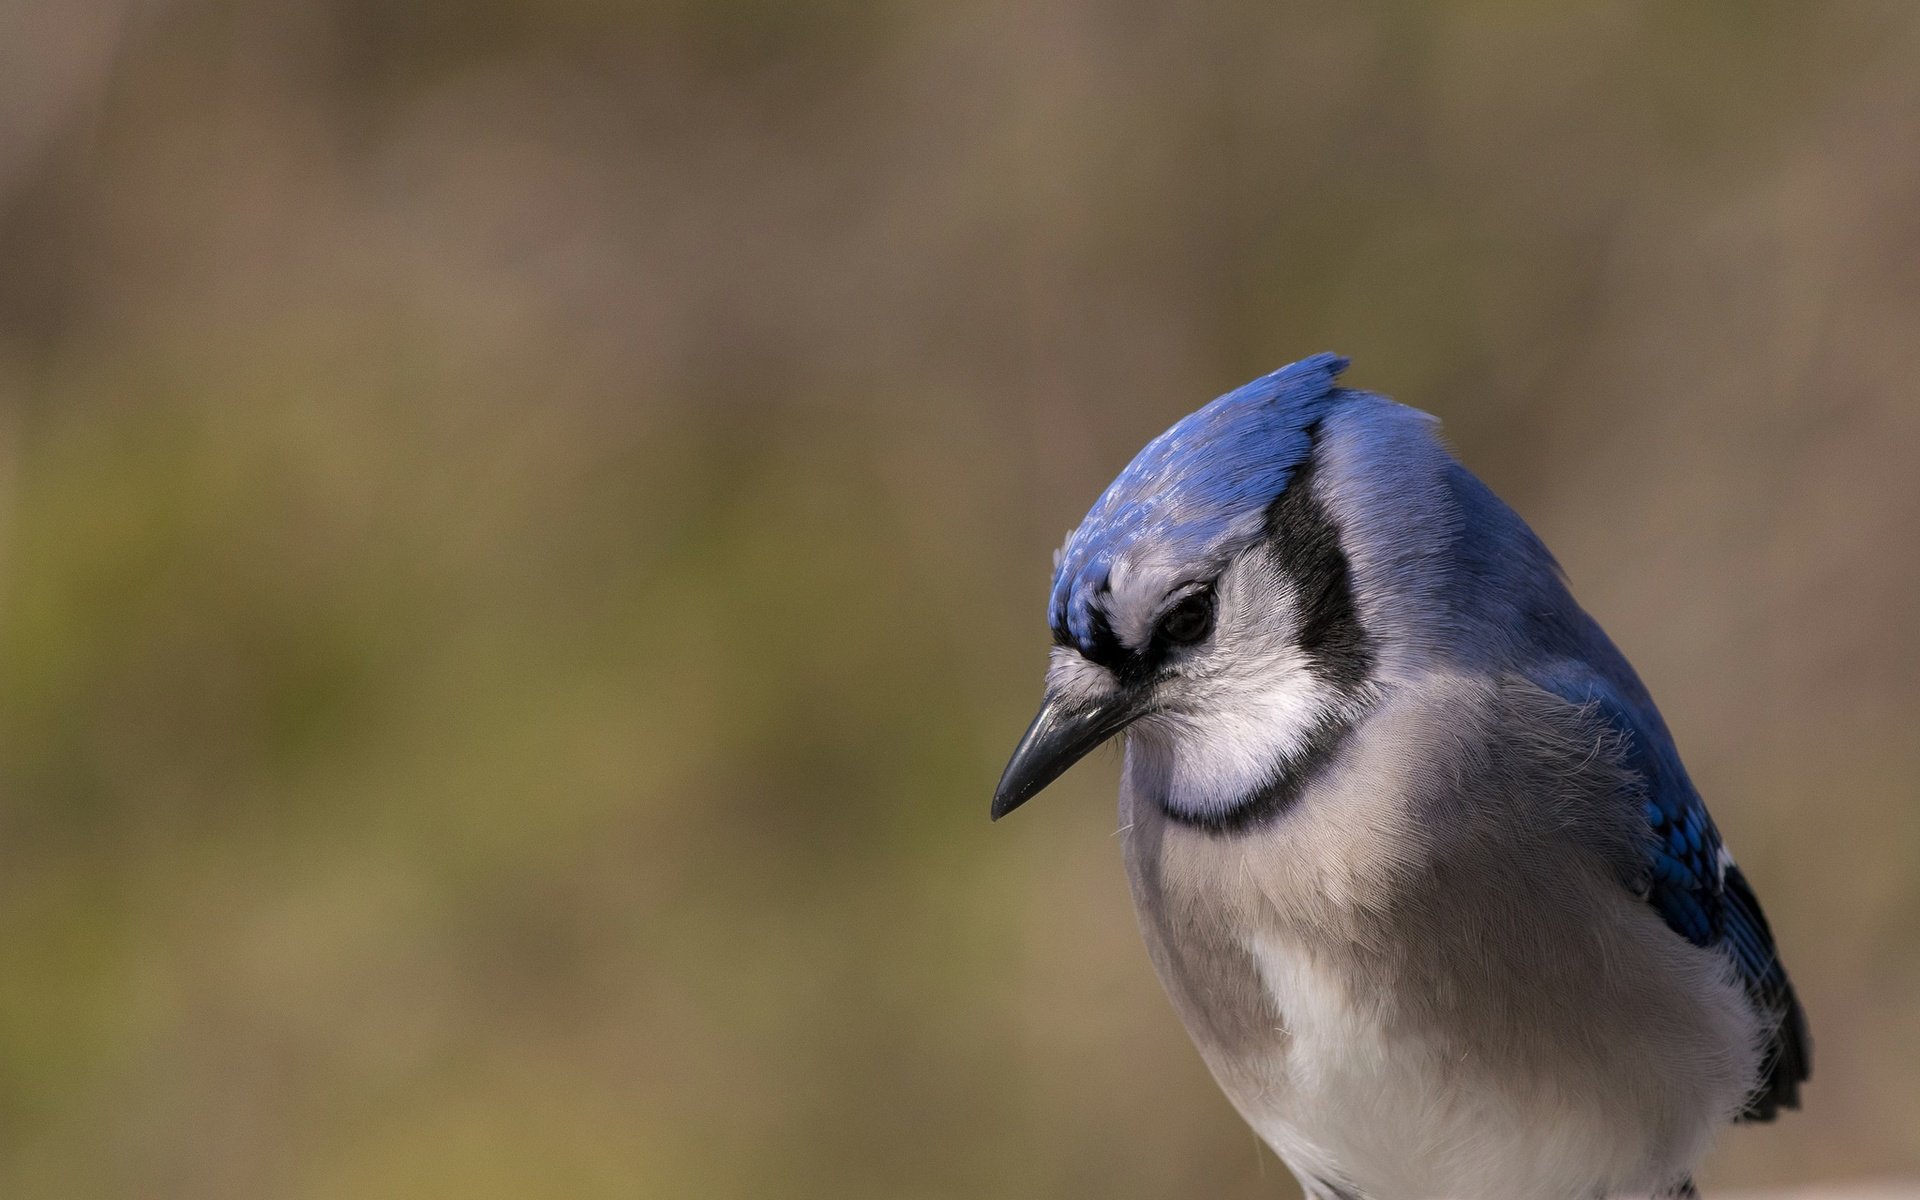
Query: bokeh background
{"points": [[524, 530]]}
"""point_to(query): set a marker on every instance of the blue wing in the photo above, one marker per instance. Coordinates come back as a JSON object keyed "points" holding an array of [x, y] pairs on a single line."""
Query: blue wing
{"points": [[1685, 871], [1691, 880]]}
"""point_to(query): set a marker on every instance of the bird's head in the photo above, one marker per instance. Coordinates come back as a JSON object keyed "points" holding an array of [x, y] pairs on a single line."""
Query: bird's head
{"points": [[1205, 606]]}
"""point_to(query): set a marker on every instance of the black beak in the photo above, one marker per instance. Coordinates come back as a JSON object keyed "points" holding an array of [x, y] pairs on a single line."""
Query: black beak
{"points": [[1061, 734]]}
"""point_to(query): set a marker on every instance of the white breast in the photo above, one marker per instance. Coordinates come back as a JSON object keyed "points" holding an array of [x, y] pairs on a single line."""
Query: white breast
{"points": [[1363, 1107]]}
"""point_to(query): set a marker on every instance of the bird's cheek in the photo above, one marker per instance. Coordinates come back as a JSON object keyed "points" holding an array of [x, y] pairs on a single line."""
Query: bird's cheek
{"points": [[1163, 726]]}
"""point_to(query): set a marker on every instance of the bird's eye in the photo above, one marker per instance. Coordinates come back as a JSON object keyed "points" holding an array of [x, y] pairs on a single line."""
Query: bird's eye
{"points": [[1188, 621]]}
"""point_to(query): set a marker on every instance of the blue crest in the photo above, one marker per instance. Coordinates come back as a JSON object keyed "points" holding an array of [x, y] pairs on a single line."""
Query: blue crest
{"points": [[1201, 487]]}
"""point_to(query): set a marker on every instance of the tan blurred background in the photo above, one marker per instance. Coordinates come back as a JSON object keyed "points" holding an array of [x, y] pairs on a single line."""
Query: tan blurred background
{"points": [[525, 531]]}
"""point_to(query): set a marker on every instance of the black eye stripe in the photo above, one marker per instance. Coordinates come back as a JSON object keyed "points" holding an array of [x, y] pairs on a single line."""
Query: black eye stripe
{"points": [[1305, 543], [1131, 667]]}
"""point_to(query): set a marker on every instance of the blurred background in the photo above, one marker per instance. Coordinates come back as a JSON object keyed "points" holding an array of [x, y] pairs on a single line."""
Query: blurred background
{"points": [[524, 532]]}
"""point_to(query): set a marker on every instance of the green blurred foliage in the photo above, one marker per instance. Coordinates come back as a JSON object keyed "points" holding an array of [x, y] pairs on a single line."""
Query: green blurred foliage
{"points": [[525, 530]]}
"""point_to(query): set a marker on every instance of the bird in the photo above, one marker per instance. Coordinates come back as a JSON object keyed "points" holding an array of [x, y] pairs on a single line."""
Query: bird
{"points": [[1412, 850]]}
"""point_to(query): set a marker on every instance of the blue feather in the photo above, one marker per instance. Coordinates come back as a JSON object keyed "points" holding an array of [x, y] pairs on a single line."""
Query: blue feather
{"points": [[1689, 879], [1684, 874], [1200, 487]]}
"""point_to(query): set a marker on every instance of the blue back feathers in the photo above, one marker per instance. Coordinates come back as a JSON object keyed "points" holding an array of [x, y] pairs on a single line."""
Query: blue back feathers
{"points": [[1201, 488]]}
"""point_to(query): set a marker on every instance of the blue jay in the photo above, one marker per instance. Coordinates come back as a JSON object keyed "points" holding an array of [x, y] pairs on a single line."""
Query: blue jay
{"points": [[1412, 850]]}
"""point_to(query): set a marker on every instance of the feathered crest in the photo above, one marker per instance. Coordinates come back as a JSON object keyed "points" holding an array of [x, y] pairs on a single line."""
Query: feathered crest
{"points": [[1200, 489]]}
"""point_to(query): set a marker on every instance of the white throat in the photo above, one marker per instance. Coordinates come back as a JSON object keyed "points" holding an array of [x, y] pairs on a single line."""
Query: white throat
{"points": [[1224, 746]]}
